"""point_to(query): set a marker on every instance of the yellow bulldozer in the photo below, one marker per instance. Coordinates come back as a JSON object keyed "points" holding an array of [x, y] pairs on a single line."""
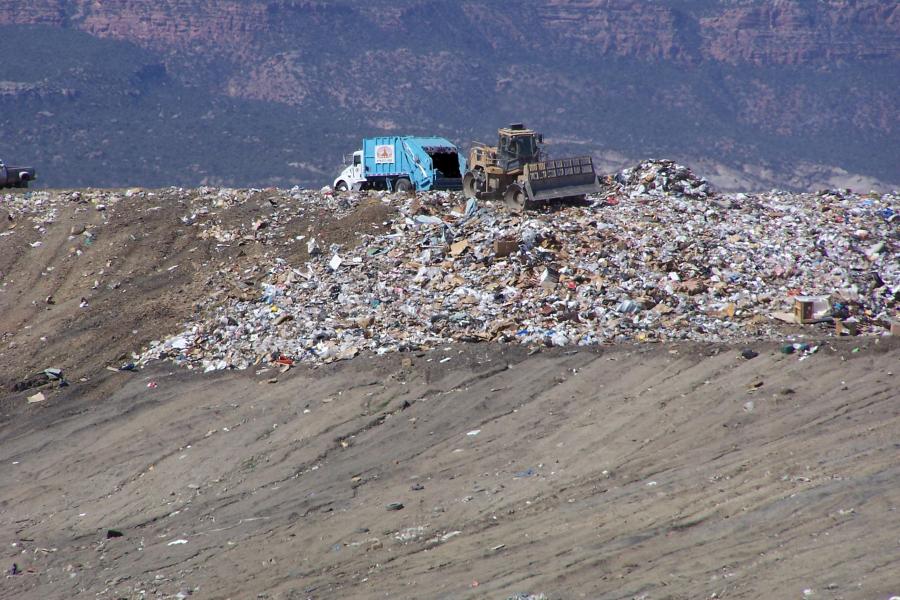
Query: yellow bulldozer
{"points": [[517, 171]]}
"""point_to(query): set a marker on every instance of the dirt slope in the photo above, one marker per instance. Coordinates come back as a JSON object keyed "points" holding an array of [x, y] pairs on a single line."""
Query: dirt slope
{"points": [[629, 471], [679, 471], [142, 260]]}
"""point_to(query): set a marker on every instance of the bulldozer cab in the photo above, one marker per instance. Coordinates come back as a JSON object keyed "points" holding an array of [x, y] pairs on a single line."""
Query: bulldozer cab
{"points": [[517, 147]]}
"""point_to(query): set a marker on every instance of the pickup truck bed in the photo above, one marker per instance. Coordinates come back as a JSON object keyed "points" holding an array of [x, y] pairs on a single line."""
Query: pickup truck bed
{"points": [[15, 177]]}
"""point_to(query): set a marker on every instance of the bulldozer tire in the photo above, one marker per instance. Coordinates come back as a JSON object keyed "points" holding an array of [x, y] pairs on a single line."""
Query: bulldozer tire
{"points": [[403, 186], [514, 197], [470, 185], [341, 186]]}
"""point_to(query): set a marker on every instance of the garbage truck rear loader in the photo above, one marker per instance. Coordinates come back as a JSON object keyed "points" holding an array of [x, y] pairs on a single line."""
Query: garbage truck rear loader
{"points": [[404, 164]]}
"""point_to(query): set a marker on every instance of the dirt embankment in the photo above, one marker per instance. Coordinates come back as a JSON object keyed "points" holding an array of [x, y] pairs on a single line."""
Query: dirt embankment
{"points": [[674, 471], [89, 277]]}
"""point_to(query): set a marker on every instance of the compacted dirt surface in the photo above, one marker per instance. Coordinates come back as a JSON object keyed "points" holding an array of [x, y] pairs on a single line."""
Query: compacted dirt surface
{"points": [[629, 472], [677, 470]]}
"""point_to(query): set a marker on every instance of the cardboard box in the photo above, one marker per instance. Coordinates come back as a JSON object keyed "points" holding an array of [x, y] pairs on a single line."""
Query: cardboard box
{"points": [[846, 327], [505, 247], [812, 309], [895, 327], [550, 278]]}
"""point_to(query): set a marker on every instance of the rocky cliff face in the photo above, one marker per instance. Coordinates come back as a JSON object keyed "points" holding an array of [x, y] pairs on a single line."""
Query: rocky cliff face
{"points": [[35, 12], [178, 25], [766, 32], [644, 30], [798, 33]]}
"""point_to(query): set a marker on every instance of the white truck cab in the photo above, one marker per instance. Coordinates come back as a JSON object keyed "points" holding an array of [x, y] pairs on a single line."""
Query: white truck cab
{"points": [[352, 177]]}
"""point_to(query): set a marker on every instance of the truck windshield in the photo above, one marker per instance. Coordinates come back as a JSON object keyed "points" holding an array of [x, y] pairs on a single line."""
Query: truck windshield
{"points": [[524, 146]]}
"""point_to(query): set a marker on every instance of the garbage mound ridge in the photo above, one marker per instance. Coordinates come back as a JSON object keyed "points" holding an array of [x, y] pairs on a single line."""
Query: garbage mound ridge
{"points": [[660, 177], [626, 265]]}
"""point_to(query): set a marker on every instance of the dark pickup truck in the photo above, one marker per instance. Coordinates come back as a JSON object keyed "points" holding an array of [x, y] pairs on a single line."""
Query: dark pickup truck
{"points": [[15, 176]]}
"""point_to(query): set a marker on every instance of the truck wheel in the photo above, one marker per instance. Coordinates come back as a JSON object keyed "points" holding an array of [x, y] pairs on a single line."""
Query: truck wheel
{"points": [[403, 186], [341, 186]]}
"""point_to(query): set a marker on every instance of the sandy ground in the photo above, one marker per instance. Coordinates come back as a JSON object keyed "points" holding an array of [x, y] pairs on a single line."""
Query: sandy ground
{"points": [[631, 472], [473, 471]]}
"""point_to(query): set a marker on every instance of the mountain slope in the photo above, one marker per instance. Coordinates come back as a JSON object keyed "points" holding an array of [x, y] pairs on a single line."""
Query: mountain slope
{"points": [[789, 93]]}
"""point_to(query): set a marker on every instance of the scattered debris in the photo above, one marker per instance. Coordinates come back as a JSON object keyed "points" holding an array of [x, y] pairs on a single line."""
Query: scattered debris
{"points": [[671, 262], [657, 256]]}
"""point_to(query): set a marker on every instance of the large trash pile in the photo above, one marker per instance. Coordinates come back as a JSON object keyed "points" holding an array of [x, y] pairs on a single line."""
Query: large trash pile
{"points": [[652, 265], [661, 177]]}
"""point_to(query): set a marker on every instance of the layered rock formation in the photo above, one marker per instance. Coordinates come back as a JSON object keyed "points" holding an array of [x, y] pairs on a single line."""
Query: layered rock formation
{"points": [[799, 33], [767, 32]]}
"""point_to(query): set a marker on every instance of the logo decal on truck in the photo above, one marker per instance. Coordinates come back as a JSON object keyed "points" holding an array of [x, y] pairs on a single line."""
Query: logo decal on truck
{"points": [[384, 154]]}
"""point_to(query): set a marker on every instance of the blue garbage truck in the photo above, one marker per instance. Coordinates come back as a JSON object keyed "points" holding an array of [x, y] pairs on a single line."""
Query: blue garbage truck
{"points": [[403, 164]]}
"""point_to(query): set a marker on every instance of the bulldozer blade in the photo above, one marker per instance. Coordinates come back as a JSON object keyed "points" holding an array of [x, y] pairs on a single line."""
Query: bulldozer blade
{"points": [[561, 178]]}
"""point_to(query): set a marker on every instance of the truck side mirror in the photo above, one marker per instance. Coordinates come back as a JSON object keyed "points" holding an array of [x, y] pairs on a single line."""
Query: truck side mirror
{"points": [[540, 138]]}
